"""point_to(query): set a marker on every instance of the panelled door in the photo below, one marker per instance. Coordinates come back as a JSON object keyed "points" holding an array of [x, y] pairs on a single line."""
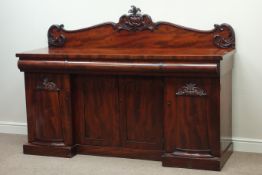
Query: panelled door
{"points": [[118, 111], [141, 109], [96, 110], [190, 121], [48, 109]]}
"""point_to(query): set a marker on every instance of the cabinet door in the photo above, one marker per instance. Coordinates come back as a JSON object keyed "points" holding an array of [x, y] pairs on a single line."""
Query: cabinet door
{"points": [[48, 109], [192, 117], [96, 110], [141, 110]]}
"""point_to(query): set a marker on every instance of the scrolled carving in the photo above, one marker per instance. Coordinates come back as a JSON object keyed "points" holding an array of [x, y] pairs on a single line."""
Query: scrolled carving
{"points": [[135, 21], [222, 42], [46, 84], [55, 38], [190, 89]]}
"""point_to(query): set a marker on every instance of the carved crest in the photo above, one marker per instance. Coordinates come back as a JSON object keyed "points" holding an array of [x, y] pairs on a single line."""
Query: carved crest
{"points": [[135, 21], [46, 84], [190, 89], [55, 38], [222, 42]]}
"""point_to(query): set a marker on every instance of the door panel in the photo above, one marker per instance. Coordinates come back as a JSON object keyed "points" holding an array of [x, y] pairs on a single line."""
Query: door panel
{"points": [[48, 108], [141, 101], [191, 116], [191, 123], [48, 121], [97, 110]]}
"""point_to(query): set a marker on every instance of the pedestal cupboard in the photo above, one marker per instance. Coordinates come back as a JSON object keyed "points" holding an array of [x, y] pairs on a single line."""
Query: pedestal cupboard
{"points": [[135, 89]]}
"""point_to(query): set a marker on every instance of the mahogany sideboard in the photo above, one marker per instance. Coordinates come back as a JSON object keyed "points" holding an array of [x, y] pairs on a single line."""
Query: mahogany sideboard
{"points": [[135, 89]]}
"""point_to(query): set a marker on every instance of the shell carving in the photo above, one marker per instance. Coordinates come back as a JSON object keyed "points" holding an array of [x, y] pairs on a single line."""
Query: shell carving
{"points": [[47, 85], [191, 89]]}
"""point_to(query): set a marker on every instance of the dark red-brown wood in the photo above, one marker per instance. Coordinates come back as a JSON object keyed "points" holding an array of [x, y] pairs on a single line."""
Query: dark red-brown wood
{"points": [[141, 112], [135, 89], [97, 110]]}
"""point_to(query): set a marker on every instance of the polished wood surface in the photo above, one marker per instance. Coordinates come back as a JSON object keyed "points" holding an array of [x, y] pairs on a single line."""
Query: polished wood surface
{"points": [[125, 54], [141, 112], [48, 108], [97, 110], [135, 89]]}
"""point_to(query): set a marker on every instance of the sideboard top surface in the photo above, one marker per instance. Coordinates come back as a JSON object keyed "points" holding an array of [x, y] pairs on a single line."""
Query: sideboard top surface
{"points": [[124, 54]]}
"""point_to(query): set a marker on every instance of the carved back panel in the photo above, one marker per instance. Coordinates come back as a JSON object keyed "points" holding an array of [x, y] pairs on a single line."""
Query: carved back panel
{"points": [[139, 31]]}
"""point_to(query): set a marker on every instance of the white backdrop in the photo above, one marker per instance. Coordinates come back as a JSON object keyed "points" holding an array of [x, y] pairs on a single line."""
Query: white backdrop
{"points": [[24, 26]]}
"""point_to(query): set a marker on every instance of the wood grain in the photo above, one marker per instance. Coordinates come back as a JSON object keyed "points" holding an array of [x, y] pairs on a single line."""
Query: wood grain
{"points": [[135, 89], [141, 112], [98, 116]]}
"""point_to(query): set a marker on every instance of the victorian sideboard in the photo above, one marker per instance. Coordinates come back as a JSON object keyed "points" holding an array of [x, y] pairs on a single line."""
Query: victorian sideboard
{"points": [[135, 89]]}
